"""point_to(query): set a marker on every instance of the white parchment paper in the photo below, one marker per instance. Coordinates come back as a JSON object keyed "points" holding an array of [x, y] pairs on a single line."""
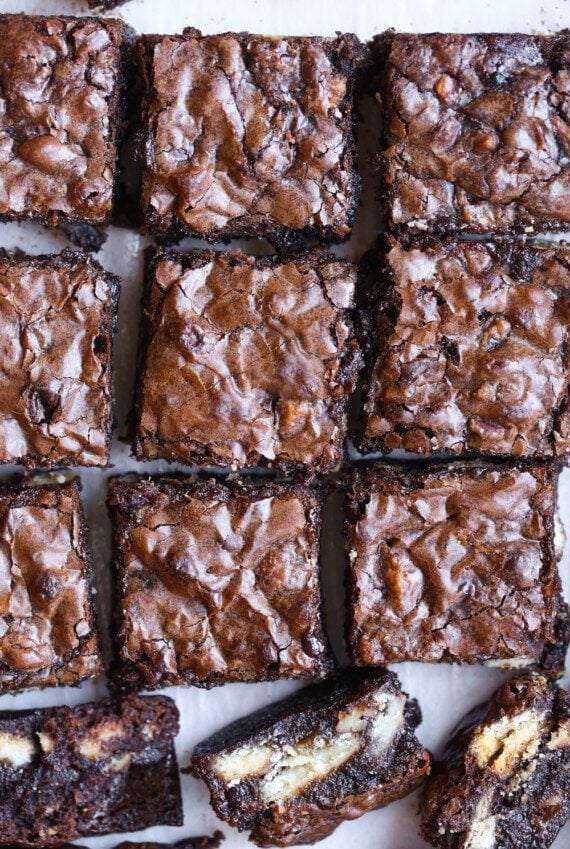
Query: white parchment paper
{"points": [[445, 693]]}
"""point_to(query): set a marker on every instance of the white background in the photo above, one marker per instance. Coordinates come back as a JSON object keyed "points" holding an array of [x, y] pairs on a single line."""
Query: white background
{"points": [[445, 693]]}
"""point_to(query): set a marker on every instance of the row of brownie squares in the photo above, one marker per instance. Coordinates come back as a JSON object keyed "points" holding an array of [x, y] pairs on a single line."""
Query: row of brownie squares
{"points": [[246, 362], [292, 772], [244, 135], [219, 581]]}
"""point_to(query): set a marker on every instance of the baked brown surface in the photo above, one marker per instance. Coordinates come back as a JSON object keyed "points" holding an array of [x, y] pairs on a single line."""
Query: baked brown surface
{"points": [[504, 777], [246, 361], [217, 582], [47, 623], [472, 350], [455, 564], [57, 319], [97, 768], [294, 771], [245, 135], [476, 132], [61, 80]]}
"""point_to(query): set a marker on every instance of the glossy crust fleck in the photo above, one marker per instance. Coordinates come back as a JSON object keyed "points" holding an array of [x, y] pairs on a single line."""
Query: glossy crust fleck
{"points": [[97, 768], [216, 582], [47, 622], [455, 564], [476, 132], [468, 349], [245, 135], [61, 81], [57, 321], [246, 361], [292, 772], [504, 778]]}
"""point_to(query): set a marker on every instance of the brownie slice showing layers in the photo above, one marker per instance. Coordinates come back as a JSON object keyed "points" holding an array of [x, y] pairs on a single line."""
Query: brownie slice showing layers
{"points": [[246, 361], [48, 635], [503, 781], [217, 582], [61, 80], [468, 349], [57, 319], [457, 564], [246, 135], [96, 768], [292, 772], [476, 131]]}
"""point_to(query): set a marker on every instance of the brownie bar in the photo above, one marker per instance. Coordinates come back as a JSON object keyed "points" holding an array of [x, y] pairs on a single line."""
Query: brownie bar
{"points": [[476, 131], [213, 842], [246, 135], [47, 622], [216, 582], [295, 771], [246, 361], [60, 80], [472, 350], [504, 778], [455, 564], [57, 320], [93, 769]]}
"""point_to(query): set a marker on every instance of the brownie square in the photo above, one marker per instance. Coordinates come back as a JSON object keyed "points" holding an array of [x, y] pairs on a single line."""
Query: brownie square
{"points": [[216, 582], [476, 131], [69, 772], [57, 317], [246, 361], [473, 350], [504, 776], [60, 82], [455, 564], [245, 135], [47, 624]]}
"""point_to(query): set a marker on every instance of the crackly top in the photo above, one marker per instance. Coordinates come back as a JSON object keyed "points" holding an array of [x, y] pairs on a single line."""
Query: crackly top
{"points": [[56, 321], [248, 135], [478, 132], [474, 351], [58, 87], [248, 361], [47, 629], [217, 583], [456, 564], [504, 777], [98, 768]]}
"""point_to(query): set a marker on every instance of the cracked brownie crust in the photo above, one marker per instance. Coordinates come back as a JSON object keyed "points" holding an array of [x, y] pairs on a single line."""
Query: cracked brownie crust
{"points": [[504, 778], [473, 350], [247, 361], [294, 771], [217, 582], [455, 564], [93, 769], [47, 623], [60, 84], [57, 318], [249, 136], [477, 132]]}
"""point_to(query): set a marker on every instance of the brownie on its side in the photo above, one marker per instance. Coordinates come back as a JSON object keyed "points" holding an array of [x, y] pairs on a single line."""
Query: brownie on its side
{"points": [[476, 132], [47, 623], [246, 135], [97, 768], [455, 564], [246, 361], [504, 778], [472, 350], [294, 771], [61, 83], [186, 843], [216, 582], [57, 318]]}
